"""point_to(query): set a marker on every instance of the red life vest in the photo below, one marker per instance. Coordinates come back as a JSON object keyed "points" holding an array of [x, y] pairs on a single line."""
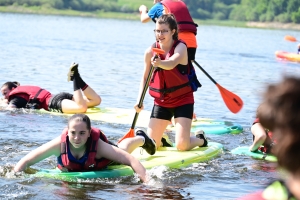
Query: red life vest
{"points": [[166, 84], [91, 163], [182, 15], [32, 94]]}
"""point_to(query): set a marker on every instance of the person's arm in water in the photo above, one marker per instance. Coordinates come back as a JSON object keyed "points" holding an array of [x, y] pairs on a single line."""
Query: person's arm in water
{"points": [[5, 106], [17, 102], [3, 102], [39, 154], [259, 134], [118, 155]]}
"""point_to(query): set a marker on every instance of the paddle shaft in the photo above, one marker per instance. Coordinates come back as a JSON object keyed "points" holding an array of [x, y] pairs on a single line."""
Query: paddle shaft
{"points": [[143, 95], [205, 72], [233, 102]]}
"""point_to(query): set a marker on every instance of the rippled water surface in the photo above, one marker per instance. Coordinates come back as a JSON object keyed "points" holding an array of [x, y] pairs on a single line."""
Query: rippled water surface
{"points": [[37, 50]]}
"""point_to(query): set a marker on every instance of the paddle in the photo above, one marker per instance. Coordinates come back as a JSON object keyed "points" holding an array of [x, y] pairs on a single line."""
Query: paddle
{"points": [[233, 102], [290, 38], [131, 131]]}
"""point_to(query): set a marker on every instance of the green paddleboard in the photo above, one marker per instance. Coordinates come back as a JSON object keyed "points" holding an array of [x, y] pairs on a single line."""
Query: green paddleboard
{"points": [[257, 154], [165, 156]]}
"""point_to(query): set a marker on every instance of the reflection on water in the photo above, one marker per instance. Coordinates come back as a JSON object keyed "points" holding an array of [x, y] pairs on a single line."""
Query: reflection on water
{"points": [[38, 51], [265, 166]]}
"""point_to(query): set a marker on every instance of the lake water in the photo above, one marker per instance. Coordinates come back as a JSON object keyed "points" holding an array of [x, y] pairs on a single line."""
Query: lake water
{"points": [[38, 49]]}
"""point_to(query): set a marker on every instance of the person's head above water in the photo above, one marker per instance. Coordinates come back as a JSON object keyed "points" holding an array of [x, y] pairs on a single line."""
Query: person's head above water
{"points": [[7, 87]]}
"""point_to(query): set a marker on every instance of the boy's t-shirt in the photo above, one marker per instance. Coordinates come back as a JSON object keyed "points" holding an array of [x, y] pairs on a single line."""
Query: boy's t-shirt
{"points": [[156, 11]]}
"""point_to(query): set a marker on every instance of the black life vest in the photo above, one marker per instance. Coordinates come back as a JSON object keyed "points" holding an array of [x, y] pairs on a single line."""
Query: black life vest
{"points": [[165, 84], [34, 95], [180, 11], [91, 163]]}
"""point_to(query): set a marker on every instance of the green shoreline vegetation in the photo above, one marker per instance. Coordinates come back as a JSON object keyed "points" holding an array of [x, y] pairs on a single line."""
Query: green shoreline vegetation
{"points": [[48, 10], [101, 14], [44, 10]]}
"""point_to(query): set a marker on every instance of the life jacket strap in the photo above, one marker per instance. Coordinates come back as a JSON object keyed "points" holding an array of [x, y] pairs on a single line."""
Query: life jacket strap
{"points": [[63, 148], [34, 103], [172, 89]]}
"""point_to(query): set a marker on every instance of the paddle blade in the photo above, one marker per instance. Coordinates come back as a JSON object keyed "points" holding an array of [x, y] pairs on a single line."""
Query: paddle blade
{"points": [[290, 38], [233, 102], [130, 134], [158, 51]]}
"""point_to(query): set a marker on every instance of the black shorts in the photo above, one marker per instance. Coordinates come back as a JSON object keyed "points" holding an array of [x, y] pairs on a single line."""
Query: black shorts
{"points": [[160, 112], [55, 101], [191, 53]]}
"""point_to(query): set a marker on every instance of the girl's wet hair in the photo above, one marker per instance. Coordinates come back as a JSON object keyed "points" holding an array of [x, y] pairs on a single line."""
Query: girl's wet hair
{"points": [[171, 21], [81, 118], [11, 85]]}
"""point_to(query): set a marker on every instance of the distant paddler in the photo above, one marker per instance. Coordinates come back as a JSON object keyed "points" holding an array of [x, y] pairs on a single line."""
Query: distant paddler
{"points": [[293, 39]]}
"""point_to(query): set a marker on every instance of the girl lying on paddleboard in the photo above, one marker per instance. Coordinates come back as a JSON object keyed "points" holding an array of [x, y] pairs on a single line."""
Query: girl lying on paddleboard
{"points": [[81, 147], [34, 97]]}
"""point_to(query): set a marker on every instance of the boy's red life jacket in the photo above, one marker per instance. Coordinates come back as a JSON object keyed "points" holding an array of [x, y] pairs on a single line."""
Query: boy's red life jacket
{"points": [[182, 15], [266, 148], [32, 94], [166, 84], [91, 163]]}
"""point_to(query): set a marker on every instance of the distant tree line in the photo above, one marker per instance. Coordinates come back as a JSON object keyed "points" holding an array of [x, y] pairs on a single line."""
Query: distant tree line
{"points": [[246, 10], [239, 10], [80, 5]]}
